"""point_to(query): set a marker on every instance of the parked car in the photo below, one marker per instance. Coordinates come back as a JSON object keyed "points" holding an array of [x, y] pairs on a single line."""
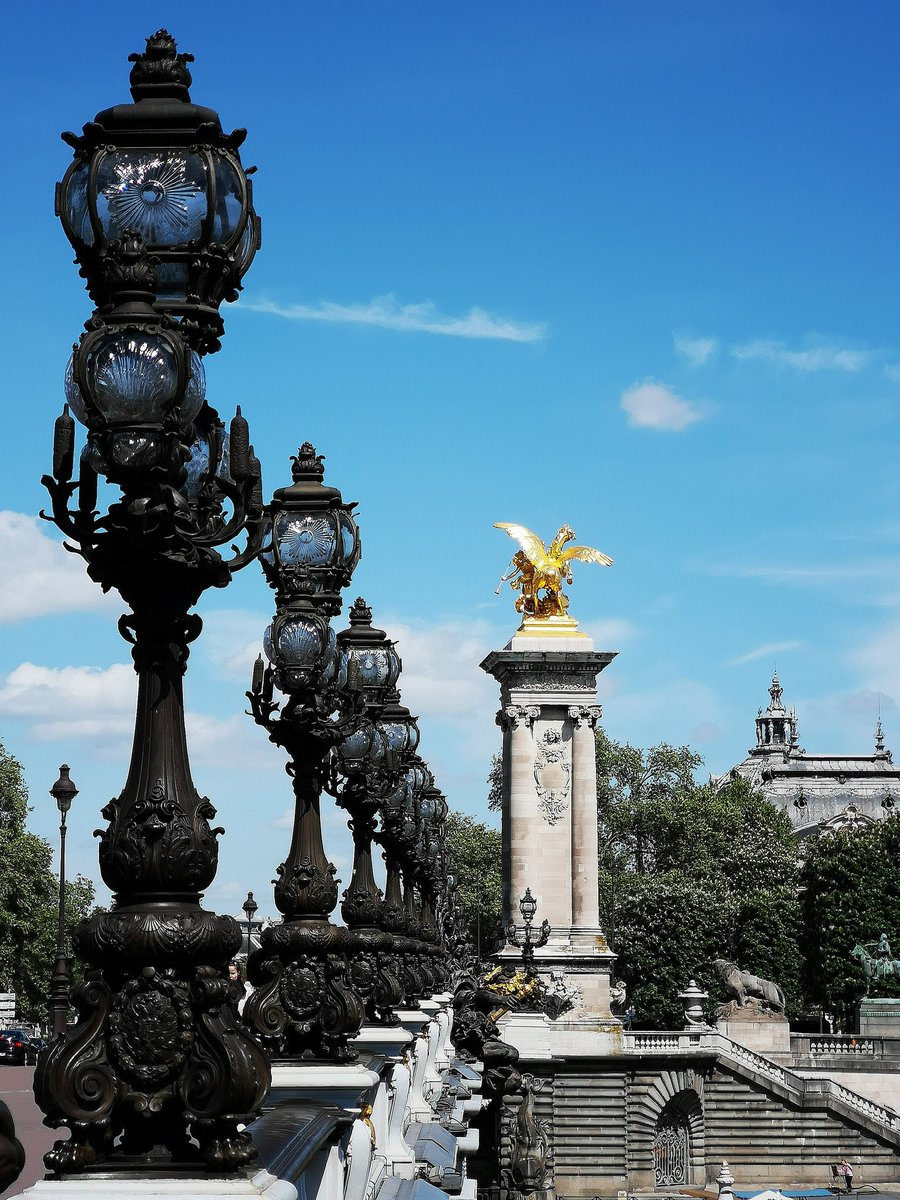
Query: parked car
{"points": [[17, 1047]]}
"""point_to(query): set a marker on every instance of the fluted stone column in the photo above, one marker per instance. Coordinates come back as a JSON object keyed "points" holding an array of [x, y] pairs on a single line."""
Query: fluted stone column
{"points": [[585, 848], [518, 748]]}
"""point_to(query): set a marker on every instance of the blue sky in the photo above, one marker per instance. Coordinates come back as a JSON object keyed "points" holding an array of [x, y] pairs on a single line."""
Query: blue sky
{"points": [[630, 266]]}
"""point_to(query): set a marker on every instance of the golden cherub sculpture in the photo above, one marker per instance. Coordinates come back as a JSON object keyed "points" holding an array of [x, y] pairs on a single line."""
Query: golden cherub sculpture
{"points": [[538, 568]]}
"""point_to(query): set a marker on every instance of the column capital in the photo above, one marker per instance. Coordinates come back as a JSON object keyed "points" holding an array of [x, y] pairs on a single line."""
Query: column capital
{"points": [[514, 716], [585, 714]]}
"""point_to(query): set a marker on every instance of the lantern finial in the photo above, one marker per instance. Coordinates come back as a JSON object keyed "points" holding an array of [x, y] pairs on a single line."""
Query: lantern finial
{"points": [[160, 71], [306, 464]]}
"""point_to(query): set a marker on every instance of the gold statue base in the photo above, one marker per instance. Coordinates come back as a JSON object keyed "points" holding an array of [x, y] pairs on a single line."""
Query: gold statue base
{"points": [[558, 626]]}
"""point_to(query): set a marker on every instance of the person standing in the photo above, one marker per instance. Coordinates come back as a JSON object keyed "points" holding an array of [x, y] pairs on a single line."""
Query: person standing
{"points": [[847, 1171]]}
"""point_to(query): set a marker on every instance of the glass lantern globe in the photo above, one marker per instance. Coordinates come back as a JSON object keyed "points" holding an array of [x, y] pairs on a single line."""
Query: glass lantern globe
{"points": [[300, 647], [312, 536], [375, 663], [528, 906], [163, 168], [399, 725]]}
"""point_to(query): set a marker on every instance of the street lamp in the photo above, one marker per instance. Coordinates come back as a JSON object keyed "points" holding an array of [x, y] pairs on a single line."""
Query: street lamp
{"points": [[249, 906], [528, 944], [305, 1004], [159, 210], [63, 792]]}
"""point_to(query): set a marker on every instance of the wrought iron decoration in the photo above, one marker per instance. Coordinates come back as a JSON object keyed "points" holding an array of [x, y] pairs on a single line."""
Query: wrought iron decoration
{"points": [[157, 1072]]}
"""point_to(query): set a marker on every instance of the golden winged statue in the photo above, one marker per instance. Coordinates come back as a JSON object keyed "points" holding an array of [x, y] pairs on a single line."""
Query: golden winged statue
{"points": [[538, 568]]}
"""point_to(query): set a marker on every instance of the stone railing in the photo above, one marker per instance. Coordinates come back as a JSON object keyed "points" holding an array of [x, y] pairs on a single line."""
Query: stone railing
{"points": [[839, 1045], [402, 1112]]}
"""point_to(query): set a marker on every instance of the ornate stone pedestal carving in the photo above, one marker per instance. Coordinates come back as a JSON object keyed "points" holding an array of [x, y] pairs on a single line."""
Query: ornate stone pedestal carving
{"points": [[548, 711]]}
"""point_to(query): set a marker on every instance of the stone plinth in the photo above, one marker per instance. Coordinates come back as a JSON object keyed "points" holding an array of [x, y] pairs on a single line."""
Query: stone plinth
{"points": [[548, 711], [764, 1032], [879, 1017], [537, 1038]]}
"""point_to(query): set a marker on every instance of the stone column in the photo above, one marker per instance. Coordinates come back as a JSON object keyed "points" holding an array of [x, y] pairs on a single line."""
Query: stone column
{"points": [[518, 721], [548, 698], [585, 900]]}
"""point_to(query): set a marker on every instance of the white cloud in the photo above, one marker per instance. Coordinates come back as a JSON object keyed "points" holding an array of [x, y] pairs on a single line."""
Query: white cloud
{"points": [[385, 312], [697, 351], [878, 660], [767, 651], [821, 357], [40, 577], [97, 705], [670, 711], [611, 632], [872, 571], [652, 405], [64, 703], [232, 638], [892, 372], [441, 677], [234, 742]]}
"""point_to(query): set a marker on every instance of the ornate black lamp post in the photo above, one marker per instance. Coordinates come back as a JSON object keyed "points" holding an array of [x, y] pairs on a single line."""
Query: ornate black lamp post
{"points": [[157, 1072], [63, 792], [249, 906], [366, 770], [305, 1005], [528, 945]]}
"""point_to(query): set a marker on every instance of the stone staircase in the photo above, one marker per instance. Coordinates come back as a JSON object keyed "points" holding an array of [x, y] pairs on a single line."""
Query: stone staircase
{"points": [[798, 1090]]}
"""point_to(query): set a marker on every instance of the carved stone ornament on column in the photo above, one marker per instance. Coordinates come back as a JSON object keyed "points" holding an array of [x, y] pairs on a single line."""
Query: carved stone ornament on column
{"points": [[552, 775], [514, 716], [585, 714]]}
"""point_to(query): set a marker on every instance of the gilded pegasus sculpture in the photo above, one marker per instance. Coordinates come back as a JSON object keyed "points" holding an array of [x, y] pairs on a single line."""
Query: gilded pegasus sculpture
{"points": [[538, 568]]}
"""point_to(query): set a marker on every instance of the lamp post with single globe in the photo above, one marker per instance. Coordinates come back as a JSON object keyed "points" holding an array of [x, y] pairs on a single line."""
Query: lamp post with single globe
{"points": [[63, 792], [159, 210], [249, 906]]}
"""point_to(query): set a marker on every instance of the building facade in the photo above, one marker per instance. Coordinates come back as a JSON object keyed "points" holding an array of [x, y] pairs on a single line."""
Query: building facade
{"points": [[819, 792]]}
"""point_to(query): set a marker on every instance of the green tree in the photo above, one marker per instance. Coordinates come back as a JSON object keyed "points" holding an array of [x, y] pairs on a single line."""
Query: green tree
{"points": [[690, 873], [474, 852], [851, 895], [29, 899], [495, 783]]}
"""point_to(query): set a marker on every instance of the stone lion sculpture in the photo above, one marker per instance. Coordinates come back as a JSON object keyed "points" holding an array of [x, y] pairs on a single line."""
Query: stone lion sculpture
{"points": [[742, 986]]}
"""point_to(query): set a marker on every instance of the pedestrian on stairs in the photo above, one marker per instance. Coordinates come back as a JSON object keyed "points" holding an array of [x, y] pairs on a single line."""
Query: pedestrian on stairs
{"points": [[847, 1171]]}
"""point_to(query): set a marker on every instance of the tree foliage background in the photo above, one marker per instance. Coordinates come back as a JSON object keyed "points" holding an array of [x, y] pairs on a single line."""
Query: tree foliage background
{"points": [[851, 894], [474, 850], [690, 873], [29, 899]]}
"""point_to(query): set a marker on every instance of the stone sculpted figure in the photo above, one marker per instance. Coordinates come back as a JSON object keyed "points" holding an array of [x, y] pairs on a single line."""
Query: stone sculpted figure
{"points": [[538, 568], [529, 1175], [743, 987]]}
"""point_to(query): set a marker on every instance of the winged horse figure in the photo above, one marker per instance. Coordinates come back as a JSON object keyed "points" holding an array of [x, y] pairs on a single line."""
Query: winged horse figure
{"points": [[539, 568]]}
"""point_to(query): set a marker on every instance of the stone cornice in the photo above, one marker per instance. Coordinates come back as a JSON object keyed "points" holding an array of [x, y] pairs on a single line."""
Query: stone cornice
{"points": [[509, 665]]}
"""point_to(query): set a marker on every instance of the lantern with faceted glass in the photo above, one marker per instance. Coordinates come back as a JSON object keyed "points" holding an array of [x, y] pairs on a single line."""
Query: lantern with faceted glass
{"points": [[132, 379], [399, 726], [163, 167], [370, 655], [312, 536], [300, 645]]}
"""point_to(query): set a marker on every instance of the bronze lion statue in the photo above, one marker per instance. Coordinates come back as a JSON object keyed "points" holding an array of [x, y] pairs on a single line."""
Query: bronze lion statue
{"points": [[742, 986]]}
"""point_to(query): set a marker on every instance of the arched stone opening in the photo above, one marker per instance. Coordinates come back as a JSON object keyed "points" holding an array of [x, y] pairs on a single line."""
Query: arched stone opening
{"points": [[667, 1130]]}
